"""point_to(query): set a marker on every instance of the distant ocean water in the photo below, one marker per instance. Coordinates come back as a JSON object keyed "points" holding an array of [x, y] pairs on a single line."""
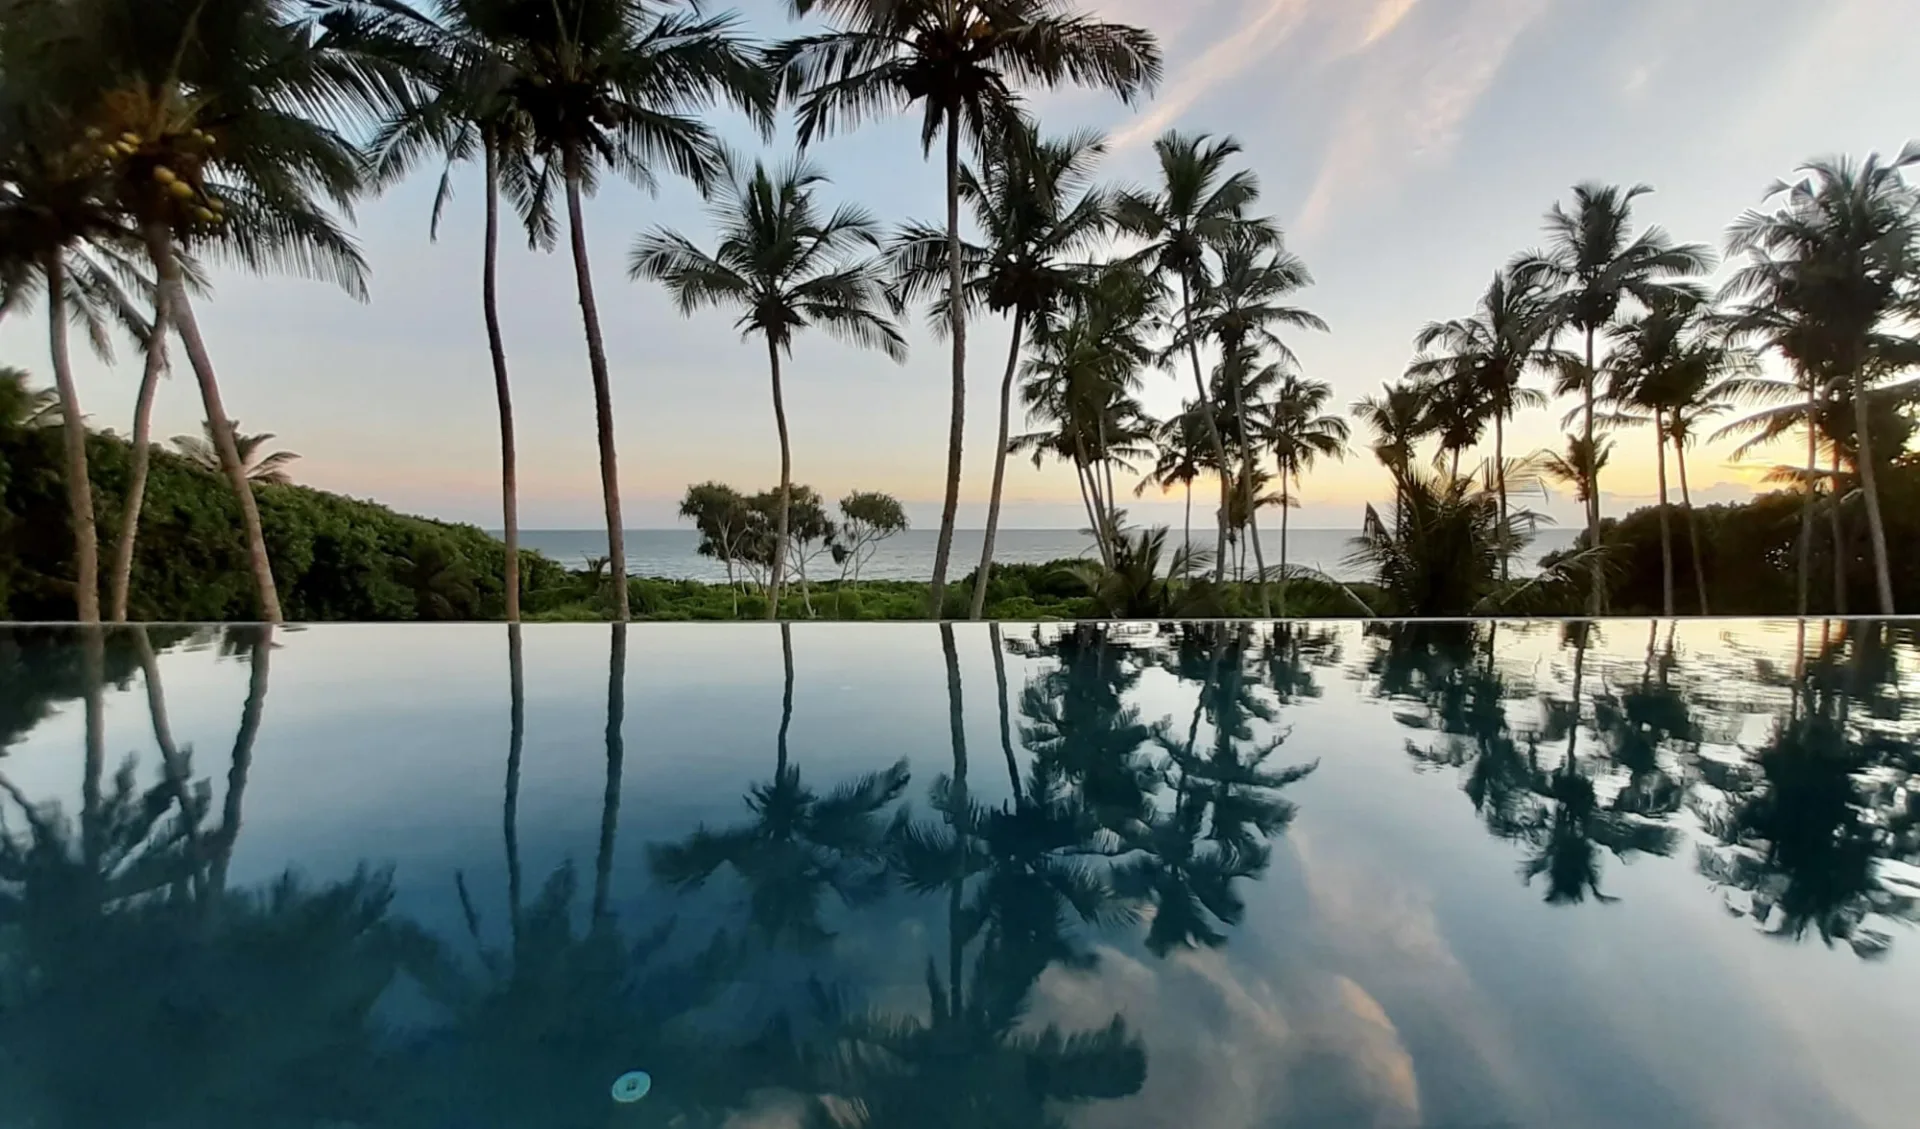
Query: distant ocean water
{"points": [[672, 553]]}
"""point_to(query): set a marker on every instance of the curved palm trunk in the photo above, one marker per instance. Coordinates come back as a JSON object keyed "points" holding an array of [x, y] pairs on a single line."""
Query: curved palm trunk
{"points": [[786, 487], [121, 581], [1870, 487], [167, 269], [980, 578], [1500, 482], [602, 391], [1186, 530], [1806, 504], [241, 763], [1595, 595], [1286, 503], [1666, 524], [1839, 534], [86, 538], [502, 390], [1246, 496], [1205, 403], [1694, 544], [616, 765], [957, 734], [510, 808], [173, 760], [957, 417]]}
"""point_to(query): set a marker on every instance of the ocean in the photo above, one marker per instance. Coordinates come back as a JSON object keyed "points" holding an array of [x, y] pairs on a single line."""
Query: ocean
{"points": [[671, 553]]}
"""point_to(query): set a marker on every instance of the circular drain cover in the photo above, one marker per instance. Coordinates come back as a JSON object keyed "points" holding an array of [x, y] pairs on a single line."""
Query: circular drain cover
{"points": [[632, 1086]]}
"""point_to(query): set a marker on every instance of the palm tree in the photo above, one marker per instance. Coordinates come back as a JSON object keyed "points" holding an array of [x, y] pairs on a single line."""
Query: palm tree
{"points": [[1842, 251], [1196, 208], [1179, 441], [612, 84], [1439, 553], [1710, 370], [259, 466], [1397, 418], [1300, 434], [800, 845], [961, 60], [1646, 351], [51, 204], [787, 266], [226, 122], [1595, 262], [1491, 352], [459, 58], [1244, 308], [1034, 201]]}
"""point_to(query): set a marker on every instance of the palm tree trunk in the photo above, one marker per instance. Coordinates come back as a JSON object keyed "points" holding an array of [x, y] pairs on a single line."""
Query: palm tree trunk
{"points": [[786, 703], [240, 764], [1666, 524], [1205, 404], [1870, 487], [1286, 503], [1806, 504], [502, 391], [1694, 545], [980, 578], [1186, 529], [93, 658], [957, 417], [1093, 519], [1593, 485], [180, 309], [602, 391], [516, 741], [170, 756], [786, 484], [957, 734], [86, 538], [1839, 535], [616, 765], [141, 456], [1006, 724], [1246, 493], [1500, 481]]}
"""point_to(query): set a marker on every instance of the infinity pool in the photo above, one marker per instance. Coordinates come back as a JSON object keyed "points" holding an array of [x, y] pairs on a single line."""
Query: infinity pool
{"points": [[753, 877]]}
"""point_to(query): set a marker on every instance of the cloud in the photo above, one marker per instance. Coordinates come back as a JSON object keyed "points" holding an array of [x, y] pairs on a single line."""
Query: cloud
{"points": [[1263, 26], [1411, 101], [1386, 17]]}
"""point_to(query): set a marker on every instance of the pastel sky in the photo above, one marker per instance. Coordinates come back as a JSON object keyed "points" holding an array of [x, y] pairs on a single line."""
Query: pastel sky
{"points": [[1408, 147]]}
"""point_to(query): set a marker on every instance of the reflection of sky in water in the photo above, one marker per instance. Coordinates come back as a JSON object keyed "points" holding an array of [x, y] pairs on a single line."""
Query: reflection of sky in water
{"points": [[1392, 969]]}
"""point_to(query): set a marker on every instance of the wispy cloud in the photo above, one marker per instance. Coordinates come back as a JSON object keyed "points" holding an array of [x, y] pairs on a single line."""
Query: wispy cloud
{"points": [[1416, 95], [1261, 27]]}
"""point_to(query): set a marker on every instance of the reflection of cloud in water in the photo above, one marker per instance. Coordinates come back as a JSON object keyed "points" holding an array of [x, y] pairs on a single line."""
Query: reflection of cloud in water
{"points": [[1228, 1050]]}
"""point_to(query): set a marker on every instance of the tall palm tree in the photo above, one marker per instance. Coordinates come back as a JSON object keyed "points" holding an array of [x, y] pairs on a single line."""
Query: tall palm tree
{"points": [[613, 84], [1196, 208], [259, 464], [1492, 351], [52, 176], [459, 54], [1245, 308], [1646, 351], [962, 61], [1300, 433], [1039, 213], [1709, 370], [229, 126], [1397, 419], [1842, 249], [1595, 263], [788, 266]]}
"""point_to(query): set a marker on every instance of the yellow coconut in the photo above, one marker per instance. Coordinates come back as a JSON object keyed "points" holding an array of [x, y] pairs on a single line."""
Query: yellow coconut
{"points": [[130, 138], [164, 175], [204, 215], [181, 189]]}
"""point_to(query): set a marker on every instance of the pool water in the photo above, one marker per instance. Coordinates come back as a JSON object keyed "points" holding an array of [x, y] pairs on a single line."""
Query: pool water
{"points": [[1206, 876]]}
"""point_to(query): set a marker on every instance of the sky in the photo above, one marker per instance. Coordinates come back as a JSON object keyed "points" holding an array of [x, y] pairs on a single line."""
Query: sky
{"points": [[1407, 147]]}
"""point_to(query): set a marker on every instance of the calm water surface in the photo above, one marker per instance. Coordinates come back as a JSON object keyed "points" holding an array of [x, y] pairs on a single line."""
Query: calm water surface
{"points": [[1211, 877]]}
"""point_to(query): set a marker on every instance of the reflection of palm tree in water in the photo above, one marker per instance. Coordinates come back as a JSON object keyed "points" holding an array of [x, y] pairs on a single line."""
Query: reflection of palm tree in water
{"points": [[1011, 877], [1803, 837], [799, 846]]}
